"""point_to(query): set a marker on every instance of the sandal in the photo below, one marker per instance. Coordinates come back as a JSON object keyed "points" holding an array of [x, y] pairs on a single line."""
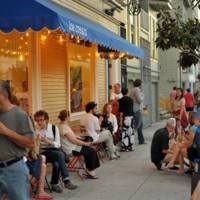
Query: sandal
{"points": [[44, 197], [89, 176]]}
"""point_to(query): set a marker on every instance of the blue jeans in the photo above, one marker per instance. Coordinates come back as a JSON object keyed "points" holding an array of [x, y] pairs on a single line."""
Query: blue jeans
{"points": [[139, 126], [14, 181]]}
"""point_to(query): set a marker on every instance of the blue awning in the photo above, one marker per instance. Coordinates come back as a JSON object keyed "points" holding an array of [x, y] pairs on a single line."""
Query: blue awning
{"points": [[37, 14]]}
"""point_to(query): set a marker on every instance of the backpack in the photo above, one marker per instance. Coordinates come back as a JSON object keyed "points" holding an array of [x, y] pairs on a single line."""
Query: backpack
{"points": [[106, 124]]}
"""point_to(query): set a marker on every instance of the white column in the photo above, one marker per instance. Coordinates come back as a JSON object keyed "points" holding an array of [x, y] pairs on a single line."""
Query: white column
{"points": [[115, 72]]}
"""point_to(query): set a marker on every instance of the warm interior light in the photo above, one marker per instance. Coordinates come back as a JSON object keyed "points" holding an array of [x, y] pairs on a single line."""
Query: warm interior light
{"points": [[21, 58], [6, 41], [26, 43], [27, 34], [21, 38], [111, 55], [121, 55], [43, 37], [14, 53], [61, 40]]}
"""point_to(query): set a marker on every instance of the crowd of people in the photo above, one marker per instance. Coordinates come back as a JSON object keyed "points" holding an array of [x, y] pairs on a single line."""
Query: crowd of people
{"points": [[29, 143], [177, 143]]}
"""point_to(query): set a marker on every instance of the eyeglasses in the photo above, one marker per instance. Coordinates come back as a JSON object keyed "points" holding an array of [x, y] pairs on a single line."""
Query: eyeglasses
{"points": [[40, 120]]}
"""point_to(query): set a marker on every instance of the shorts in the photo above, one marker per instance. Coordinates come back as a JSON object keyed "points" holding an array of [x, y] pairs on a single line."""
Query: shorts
{"points": [[190, 109], [35, 167]]}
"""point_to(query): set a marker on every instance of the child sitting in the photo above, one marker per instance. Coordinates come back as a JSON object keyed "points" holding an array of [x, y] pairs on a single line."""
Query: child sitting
{"points": [[37, 167]]}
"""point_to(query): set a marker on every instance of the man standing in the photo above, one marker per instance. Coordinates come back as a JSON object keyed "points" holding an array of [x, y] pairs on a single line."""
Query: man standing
{"points": [[138, 99], [116, 94], [189, 101], [160, 143], [16, 135]]}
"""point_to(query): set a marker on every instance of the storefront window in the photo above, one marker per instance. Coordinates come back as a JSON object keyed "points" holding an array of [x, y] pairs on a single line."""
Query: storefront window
{"points": [[81, 76], [14, 62]]}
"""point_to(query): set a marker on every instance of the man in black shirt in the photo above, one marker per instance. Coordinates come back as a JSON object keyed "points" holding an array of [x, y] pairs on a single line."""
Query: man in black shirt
{"points": [[160, 143], [126, 121]]}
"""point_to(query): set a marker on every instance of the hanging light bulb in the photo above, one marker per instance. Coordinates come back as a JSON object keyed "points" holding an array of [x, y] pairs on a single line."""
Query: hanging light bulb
{"points": [[43, 38], [21, 58], [61, 40]]}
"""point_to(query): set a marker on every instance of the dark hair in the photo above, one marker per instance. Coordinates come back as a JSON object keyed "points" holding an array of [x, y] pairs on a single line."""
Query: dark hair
{"points": [[191, 118], [90, 106], [124, 91], [42, 113], [182, 95], [63, 115], [6, 90], [174, 88], [188, 90], [137, 83]]}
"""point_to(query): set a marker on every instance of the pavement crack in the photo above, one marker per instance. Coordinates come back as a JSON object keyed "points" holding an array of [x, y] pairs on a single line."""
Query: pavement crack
{"points": [[145, 180]]}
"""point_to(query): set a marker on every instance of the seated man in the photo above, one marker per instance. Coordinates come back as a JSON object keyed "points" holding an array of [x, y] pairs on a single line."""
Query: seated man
{"points": [[160, 143], [50, 147], [92, 126]]}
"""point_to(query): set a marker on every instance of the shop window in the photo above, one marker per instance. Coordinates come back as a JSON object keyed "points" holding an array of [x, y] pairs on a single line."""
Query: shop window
{"points": [[14, 65], [81, 76]]}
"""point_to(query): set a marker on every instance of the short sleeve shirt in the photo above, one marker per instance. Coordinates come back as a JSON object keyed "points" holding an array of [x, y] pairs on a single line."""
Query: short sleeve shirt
{"points": [[159, 143], [18, 121], [91, 124]]}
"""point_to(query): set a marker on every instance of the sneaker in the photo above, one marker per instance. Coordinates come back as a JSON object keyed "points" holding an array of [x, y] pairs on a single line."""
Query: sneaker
{"points": [[68, 184], [113, 156], [117, 154], [56, 188]]}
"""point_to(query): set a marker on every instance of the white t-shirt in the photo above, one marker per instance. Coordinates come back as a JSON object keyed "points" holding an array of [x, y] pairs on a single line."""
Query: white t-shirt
{"points": [[113, 120], [91, 124], [49, 134], [67, 146], [114, 96]]}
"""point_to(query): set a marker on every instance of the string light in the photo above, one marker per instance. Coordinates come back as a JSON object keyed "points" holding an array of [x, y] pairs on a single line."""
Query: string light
{"points": [[43, 37], [21, 58], [61, 40]]}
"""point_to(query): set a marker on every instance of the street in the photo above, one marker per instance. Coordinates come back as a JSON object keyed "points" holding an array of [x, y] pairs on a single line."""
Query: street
{"points": [[132, 177]]}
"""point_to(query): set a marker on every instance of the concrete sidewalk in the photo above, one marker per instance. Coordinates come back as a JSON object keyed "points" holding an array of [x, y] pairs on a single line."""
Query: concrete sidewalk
{"points": [[132, 177]]}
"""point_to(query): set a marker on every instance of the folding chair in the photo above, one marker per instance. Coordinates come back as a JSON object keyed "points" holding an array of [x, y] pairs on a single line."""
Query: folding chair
{"points": [[76, 164], [101, 152]]}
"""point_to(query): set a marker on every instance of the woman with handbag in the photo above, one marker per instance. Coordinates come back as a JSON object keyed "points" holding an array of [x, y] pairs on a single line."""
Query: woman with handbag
{"points": [[179, 108]]}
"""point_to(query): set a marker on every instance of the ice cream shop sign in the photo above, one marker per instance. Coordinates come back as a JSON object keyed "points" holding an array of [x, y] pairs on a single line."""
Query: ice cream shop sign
{"points": [[77, 29]]}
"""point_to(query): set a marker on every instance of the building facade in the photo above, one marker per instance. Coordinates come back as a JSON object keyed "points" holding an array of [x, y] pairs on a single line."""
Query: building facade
{"points": [[55, 70], [171, 73]]}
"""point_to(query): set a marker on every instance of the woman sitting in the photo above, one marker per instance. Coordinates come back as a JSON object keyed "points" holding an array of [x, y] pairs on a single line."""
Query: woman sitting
{"points": [[183, 143], [109, 121], [73, 145]]}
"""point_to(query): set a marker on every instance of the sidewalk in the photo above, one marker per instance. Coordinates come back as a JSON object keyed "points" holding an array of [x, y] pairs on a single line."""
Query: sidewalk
{"points": [[132, 177]]}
